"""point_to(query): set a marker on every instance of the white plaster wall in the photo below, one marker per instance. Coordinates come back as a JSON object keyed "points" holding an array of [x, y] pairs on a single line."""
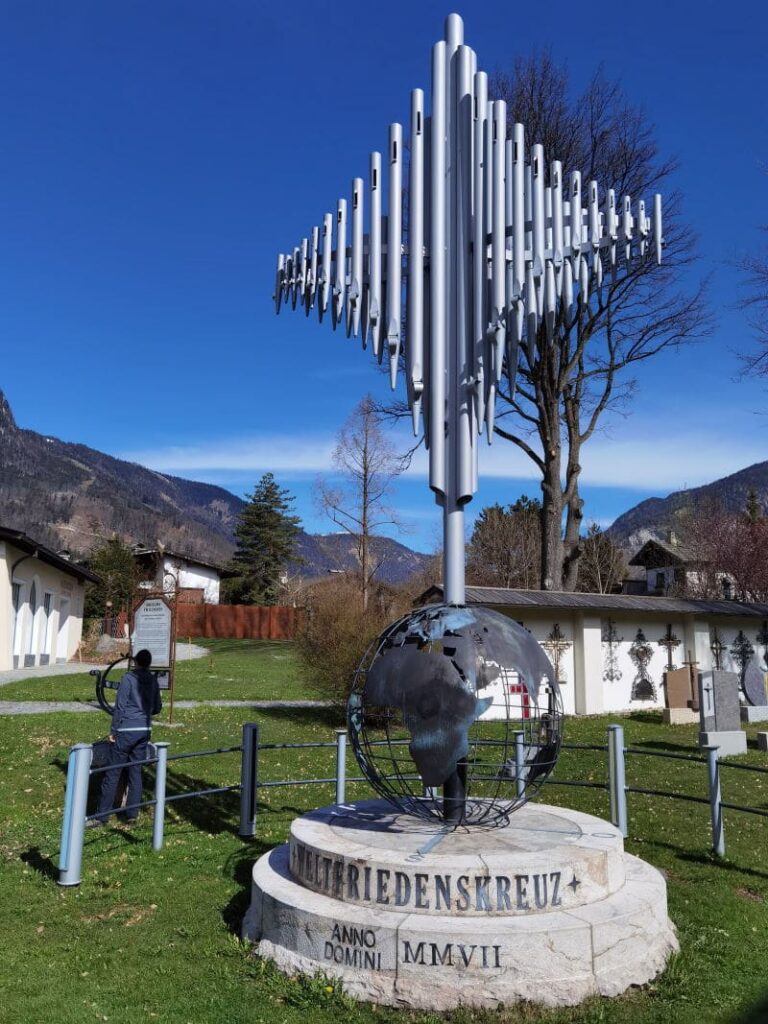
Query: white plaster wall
{"points": [[197, 576], [47, 579]]}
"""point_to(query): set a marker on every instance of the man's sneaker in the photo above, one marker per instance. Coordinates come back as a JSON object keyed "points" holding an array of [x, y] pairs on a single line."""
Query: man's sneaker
{"points": [[95, 823]]}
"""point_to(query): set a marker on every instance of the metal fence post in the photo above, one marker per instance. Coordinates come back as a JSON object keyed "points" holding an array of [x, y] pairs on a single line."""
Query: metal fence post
{"points": [[341, 765], [617, 779], [75, 804], [249, 775], [520, 764], [715, 806], [160, 775]]}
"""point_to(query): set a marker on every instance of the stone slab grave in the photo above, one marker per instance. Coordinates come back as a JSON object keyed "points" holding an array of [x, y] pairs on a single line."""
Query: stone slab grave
{"points": [[753, 684], [720, 713], [548, 908], [679, 698]]}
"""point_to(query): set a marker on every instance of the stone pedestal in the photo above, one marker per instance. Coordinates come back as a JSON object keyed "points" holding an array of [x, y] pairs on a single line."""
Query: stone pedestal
{"points": [[754, 713], [679, 716], [548, 908], [730, 743]]}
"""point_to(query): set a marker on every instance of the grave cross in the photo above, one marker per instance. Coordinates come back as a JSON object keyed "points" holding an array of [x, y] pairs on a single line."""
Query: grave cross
{"points": [[762, 639], [556, 645], [670, 641], [718, 648], [499, 244]]}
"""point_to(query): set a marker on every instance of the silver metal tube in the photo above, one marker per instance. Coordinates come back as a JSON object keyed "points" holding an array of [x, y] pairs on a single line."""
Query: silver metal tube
{"points": [[520, 769], [479, 272], [658, 240], [437, 275], [414, 321], [341, 765], [374, 309], [715, 805], [279, 282], [325, 266], [161, 770], [498, 242], [340, 271], [249, 777], [574, 193], [312, 289], [394, 248], [73, 823], [617, 782], [355, 290]]}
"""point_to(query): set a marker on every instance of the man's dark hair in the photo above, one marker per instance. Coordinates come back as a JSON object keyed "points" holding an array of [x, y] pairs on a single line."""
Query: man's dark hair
{"points": [[143, 658]]}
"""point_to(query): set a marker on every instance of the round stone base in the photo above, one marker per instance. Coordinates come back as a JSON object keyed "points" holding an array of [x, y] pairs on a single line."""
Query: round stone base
{"points": [[547, 909]]}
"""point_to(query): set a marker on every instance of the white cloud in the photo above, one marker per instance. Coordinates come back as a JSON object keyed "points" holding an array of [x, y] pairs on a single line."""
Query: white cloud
{"points": [[650, 459]]}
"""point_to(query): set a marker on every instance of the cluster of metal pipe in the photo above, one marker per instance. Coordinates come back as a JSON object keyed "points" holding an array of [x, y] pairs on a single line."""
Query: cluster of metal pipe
{"points": [[497, 244]]}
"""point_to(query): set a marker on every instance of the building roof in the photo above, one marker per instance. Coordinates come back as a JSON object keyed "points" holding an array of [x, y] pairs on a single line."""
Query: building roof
{"points": [[31, 547], [655, 553], [616, 603], [140, 552]]}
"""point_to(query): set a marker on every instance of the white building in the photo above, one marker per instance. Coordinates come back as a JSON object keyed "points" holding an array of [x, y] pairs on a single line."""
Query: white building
{"points": [[41, 602], [191, 579], [598, 672]]}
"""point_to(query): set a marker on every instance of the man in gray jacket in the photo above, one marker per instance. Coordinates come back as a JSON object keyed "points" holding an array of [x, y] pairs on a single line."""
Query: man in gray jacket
{"points": [[138, 699]]}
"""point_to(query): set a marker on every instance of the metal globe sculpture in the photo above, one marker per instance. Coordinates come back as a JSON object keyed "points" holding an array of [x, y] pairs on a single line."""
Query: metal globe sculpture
{"points": [[449, 689]]}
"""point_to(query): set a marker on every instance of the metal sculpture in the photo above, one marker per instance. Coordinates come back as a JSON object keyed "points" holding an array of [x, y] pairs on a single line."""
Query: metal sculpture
{"points": [[611, 641], [670, 641], [556, 646], [718, 649], [741, 652], [498, 243], [641, 652]]}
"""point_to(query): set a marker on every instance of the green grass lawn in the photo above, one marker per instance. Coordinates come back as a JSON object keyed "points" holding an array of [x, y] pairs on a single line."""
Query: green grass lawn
{"points": [[154, 937], [234, 670]]}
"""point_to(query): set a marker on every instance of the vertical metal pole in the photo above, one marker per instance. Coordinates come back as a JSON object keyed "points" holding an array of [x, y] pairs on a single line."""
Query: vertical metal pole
{"points": [[617, 780], [520, 774], [715, 806], [73, 825], [249, 776], [341, 765], [158, 823]]}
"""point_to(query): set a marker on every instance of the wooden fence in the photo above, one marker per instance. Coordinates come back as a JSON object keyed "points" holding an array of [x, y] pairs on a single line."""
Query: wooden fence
{"points": [[237, 621]]}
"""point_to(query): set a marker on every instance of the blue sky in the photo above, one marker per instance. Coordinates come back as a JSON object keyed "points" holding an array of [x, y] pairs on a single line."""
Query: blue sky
{"points": [[156, 156]]}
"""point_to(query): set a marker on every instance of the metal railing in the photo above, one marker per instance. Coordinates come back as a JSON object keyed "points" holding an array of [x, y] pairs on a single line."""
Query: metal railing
{"points": [[79, 773]]}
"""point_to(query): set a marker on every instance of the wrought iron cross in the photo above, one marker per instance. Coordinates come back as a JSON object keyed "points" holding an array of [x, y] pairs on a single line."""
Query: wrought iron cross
{"points": [[718, 648], [556, 645], [498, 242], [670, 641]]}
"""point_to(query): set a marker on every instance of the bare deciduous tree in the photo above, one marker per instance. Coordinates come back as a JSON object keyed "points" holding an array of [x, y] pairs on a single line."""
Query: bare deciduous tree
{"points": [[368, 465], [754, 269], [505, 547], [565, 386], [726, 552], [602, 565]]}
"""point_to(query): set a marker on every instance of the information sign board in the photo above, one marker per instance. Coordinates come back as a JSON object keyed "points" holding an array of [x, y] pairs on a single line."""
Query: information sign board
{"points": [[153, 631]]}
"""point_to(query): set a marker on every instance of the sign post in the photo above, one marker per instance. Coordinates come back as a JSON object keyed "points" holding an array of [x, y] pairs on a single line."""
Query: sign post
{"points": [[153, 628]]}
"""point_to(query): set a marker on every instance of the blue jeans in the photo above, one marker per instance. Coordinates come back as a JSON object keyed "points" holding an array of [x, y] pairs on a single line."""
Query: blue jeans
{"points": [[131, 747]]}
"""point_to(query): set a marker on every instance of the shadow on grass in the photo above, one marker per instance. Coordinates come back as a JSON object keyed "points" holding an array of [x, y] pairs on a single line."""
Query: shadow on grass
{"points": [[757, 1014], [646, 717], [44, 866], [686, 748], [329, 717], [709, 860], [239, 867]]}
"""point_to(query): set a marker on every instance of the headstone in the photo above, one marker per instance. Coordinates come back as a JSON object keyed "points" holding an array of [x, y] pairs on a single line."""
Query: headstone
{"points": [[762, 741], [678, 697], [753, 683], [719, 713]]}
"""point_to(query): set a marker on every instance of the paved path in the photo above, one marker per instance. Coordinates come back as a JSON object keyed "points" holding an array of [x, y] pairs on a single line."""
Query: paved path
{"points": [[42, 707], [184, 652]]}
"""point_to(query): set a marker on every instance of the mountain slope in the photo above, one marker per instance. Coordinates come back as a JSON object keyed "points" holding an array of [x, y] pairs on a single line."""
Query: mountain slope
{"points": [[70, 496], [655, 517]]}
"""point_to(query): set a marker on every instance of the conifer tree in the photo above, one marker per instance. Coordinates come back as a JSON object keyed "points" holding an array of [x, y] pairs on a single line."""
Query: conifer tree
{"points": [[266, 532]]}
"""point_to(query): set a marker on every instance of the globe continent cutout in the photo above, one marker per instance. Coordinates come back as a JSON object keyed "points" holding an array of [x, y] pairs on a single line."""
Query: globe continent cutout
{"points": [[455, 684]]}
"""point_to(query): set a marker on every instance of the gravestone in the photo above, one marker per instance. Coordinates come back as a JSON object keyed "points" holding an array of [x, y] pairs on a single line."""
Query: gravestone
{"points": [[720, 713], [678, 697], [753, 684]]}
